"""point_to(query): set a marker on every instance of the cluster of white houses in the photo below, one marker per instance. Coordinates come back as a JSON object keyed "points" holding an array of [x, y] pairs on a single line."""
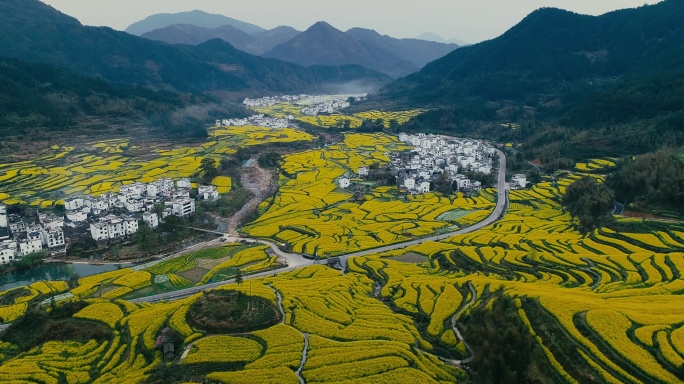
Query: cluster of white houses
{"points": [[18, 239], [270, 101], [436, 157], [316, 105], [256, 120], [325, 106], [112, 216]]}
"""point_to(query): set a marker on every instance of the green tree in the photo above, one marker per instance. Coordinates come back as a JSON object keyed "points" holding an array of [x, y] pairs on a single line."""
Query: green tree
{"points": [[270, 160], [207, 169], [146, 238], [393, 125], [590, 201], [238, 277]]}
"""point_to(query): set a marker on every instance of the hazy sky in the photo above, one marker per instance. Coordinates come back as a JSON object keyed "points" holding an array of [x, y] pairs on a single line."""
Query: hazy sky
{"points": [[471, 20]]}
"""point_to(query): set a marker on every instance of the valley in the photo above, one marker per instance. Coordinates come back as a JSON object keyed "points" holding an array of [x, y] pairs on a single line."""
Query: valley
{"points": [[206, 199]]}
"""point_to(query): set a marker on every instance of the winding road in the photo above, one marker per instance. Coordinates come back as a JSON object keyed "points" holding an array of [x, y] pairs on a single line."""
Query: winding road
{"points": [[295, 260]]}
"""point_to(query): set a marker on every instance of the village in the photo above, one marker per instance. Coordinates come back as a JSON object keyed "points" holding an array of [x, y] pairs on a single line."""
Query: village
{"points": [[312, 106], [257, 121], [111, 217], [434, 159]]}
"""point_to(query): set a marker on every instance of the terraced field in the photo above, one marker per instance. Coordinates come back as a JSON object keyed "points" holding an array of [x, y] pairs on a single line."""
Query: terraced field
{"points": [[337, 120], [104, 166], [314, 216], [613, 294], [604, 306]]}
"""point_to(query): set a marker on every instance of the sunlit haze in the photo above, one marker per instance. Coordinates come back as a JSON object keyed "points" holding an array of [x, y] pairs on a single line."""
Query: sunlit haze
{"points": [[465, 20]]}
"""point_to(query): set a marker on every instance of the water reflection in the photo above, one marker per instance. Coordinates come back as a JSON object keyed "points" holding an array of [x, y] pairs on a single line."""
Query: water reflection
{"points": [[53, 271]]}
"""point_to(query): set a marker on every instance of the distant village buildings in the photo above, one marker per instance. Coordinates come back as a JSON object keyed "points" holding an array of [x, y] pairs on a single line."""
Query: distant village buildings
{"points": [[20, 239], [312, 105], [256, 120], [109, 217], [434, 158], [270, 101]]}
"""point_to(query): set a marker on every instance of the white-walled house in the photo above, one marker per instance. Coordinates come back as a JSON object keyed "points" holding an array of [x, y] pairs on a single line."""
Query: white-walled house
{"points": [[183, 183], [153, 189], [485, 168], [30, 242], [135, 205], [410, 183], [136, 189], [207, 192], [344, 182], [3, 216], [423, 187], [463, 183], [181, 207], [151, 219], [53, 238], [74, 203], [131, 225], [363, 171], [116, 228], [77, 216], [99, 231], [8, 251], [518, 181]]}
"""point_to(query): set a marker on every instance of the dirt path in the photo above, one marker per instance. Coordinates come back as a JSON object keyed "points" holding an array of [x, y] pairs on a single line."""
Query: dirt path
{"points": [[257, 180], [459, 336], [280, 304], [304, 353]]}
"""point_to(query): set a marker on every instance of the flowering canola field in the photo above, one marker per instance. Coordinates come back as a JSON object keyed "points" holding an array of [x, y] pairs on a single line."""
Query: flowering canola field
{"points": [[614, 294], [612, 298], [314, 216], [604, 306], [104, 166], [337, 119]]}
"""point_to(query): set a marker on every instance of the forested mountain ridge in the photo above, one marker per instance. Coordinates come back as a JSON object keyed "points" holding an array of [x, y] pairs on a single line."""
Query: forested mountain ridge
{"points": [[572, 85], [40, 95], [34, 32], [549, 50]]}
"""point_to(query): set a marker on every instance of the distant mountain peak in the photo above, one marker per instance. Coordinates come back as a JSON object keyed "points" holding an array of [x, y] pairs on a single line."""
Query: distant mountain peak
{"points": [[439, 39], [320, 26], [196, 17]]}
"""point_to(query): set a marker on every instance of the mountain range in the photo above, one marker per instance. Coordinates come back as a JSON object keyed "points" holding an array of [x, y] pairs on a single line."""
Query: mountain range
{"points": [[321, 44], [256, 44], [551, 49], [196, 17], [32, 31], [576, 84]]}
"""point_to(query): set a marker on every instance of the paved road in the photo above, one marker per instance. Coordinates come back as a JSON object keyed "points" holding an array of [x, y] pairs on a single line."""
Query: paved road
{"points": [[499, 210], [295, 261]]}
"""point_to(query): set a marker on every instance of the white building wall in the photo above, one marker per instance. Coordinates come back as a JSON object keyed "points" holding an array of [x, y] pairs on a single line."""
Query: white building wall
{"points": [[30, 246], [151, 219], [131, 226]]}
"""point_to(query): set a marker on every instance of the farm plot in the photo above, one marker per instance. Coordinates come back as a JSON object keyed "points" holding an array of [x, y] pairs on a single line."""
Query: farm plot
{"points": [[103, 167], [314, 216], [613, 294]]}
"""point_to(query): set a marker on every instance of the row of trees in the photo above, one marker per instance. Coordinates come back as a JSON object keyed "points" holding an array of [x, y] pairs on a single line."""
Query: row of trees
{"points": [[655, 179]]}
